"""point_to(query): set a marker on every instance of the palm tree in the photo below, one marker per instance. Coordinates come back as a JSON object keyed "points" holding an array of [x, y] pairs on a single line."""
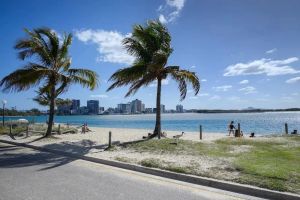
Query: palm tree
{"points": [[151, 46], [43, 98], [50, 67]]}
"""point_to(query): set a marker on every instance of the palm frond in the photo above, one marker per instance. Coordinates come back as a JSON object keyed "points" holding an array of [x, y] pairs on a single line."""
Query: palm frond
{"points": [[182, 77], [144, 81], [53, 40], [63, 52], [85, 77], [23, 79], [127, 76]]}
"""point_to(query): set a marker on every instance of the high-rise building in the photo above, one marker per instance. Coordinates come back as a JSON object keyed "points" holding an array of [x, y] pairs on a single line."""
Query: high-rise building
{"points": [[149, 110], [136, 106], [179, 108], [143, 107], [75, 106], [83, 110], [93, 106], [64, 109], [162, 108], [124, 108], [101, 110]]}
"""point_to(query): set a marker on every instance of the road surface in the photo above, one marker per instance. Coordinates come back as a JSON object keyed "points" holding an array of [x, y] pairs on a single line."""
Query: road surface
{"points": [[26, 174]]}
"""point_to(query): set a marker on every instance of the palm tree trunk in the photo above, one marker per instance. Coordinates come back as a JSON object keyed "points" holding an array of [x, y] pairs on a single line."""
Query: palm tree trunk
{"points": [[157, 130], [51, 113]]}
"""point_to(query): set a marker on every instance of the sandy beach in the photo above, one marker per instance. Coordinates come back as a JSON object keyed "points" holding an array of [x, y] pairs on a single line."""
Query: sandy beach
{"points": [[99, 136], [94, 142]]}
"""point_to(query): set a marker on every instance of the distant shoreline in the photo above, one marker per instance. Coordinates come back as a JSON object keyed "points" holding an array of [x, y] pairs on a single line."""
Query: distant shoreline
{"points": [[196, 111]]}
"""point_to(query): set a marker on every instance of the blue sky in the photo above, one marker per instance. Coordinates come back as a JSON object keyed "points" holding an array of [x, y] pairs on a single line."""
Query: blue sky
{"points": [[246, 53]]}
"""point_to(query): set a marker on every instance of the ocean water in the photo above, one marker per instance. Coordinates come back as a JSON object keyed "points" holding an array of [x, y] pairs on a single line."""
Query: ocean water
{"points": [[260, 123]]}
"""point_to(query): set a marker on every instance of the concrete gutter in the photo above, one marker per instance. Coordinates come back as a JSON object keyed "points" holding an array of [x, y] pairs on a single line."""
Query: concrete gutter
{"points": [[223, 185]]}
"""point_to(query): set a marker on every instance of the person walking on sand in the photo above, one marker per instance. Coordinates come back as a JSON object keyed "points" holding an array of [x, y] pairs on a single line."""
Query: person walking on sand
{"points": [[83, 129], [231, 128]]}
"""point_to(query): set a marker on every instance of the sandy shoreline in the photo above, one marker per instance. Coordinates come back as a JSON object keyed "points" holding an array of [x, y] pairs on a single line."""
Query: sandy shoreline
{"points": [[99, 136]]}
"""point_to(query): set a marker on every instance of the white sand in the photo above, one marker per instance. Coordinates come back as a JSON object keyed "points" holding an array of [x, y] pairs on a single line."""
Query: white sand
{"points": [[100, 135]]}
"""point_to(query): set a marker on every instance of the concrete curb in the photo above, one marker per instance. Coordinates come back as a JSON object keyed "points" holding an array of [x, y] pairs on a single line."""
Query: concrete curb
{"points": [[223, 185]]}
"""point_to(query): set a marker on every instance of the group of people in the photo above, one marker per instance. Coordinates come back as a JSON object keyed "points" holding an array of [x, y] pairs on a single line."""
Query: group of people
{"points": [[235, 132]]}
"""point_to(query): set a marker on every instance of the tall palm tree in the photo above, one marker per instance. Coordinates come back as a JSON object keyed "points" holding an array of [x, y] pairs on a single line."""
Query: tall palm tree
{"points": [[151, 46], [49, 67]]}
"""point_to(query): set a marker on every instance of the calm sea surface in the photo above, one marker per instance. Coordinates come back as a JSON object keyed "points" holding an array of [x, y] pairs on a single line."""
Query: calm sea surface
{"points": [[260, 123]]}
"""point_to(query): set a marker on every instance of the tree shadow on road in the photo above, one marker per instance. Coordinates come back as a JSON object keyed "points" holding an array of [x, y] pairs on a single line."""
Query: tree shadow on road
{"points": [[14, 157]]}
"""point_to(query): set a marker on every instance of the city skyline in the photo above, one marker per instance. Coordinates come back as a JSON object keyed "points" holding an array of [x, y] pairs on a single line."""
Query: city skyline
{"points": [[93, 107], [244, 56]]}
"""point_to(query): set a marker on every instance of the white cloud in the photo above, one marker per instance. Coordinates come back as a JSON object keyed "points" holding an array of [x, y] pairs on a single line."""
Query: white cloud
{"points": [[109, 45], [244, 82], [199, 95], [248, 90], [295, 94], [263, 66], [271, 51], [193, 67], [293, 80], [170, 10], [223, 88], [203, 80], [100, 96], [162, 19], [203, 94], [215, 97], [163, 82]]}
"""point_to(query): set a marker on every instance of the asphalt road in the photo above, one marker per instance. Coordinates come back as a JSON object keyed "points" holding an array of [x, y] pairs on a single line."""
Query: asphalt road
{"points": [[32, 175]]}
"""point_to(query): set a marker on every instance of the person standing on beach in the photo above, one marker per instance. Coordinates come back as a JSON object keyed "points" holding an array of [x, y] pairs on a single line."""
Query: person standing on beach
{"points": [[231, 128]]}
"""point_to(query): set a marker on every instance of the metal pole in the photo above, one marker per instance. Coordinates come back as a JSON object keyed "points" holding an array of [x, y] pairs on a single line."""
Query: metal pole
{"points": [[58, 128], [286, 128], [27, 130], [109, 139], [200, 132]]}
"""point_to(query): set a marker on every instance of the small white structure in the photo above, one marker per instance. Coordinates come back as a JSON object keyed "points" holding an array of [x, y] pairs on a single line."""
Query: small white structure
{"points": [[23, 121]]}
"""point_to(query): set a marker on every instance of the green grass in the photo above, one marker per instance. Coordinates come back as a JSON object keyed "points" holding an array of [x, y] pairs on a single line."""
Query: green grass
{"points": [[272, 163], [183, 147], [122, 159], [273, 167], [15, 130], [156, 163]]}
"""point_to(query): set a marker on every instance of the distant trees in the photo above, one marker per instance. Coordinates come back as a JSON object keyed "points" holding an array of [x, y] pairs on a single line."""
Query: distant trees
{"points": [[151, 46], [51, 71], [14, 112]]}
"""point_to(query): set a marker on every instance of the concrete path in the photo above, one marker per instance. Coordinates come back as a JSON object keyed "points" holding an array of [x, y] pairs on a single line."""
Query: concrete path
{"points": [[32, 175]]}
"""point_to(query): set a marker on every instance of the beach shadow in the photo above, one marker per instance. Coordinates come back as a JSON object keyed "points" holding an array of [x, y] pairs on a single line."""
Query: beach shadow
{"points": [[9, 158]]}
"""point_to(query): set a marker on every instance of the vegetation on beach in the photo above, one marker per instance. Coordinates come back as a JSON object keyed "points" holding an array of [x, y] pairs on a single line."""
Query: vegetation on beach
{"points": [[14, 112], [151, 46], [35, 129], [52, 71], [272, 163]]}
